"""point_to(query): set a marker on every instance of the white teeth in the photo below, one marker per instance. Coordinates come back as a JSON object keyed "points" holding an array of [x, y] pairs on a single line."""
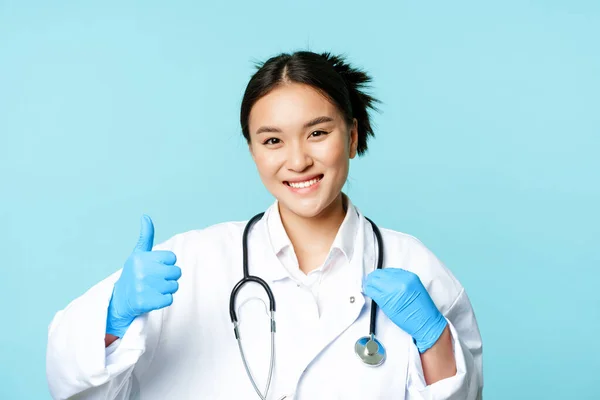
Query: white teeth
{"points": [[300, 185]]}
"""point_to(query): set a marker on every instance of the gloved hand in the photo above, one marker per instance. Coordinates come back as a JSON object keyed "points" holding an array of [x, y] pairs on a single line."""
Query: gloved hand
{"points": [[147, 282], [403, 298]]}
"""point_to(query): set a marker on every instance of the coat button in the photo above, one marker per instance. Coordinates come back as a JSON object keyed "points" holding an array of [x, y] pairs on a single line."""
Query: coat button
{"points": [[351, 299]]}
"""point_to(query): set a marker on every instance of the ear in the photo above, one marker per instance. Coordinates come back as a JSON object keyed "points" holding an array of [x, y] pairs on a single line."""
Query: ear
{"points": [[250, 150], [353, 138]]}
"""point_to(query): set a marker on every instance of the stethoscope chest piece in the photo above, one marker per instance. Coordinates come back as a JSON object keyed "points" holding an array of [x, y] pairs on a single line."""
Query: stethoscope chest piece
{"points": [[370, 351]]}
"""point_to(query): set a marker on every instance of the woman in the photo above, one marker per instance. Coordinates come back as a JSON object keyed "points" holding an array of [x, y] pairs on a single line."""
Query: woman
{"points": [[160, 327]]}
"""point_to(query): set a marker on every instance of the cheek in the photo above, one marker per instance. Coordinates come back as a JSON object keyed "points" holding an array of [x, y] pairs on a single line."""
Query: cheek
{"points": [[335, 156], [267, 163]]}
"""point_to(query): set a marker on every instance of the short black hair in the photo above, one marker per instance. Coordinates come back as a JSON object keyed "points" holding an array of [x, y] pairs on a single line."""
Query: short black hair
{"points": [[330, 74]]}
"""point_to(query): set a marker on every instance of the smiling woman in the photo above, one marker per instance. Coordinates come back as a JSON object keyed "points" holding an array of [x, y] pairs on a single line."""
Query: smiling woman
{"points": [[312, 144], [305, 117], [157, 330]]}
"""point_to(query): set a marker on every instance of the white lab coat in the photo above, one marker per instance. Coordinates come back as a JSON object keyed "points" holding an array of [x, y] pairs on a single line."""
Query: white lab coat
{"points": [[188, 350]]}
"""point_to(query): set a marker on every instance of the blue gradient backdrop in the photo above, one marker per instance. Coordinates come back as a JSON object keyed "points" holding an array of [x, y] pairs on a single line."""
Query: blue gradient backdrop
{"points": [[487, 151]]}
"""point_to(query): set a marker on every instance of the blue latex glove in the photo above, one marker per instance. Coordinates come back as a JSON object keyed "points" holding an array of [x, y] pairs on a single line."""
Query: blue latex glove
{"points": [[403, 298], [147, 282]]}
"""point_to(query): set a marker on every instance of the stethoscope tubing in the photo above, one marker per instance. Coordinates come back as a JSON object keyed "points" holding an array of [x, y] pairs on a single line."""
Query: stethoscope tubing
{"points": [[247, 278], [379, 266]]}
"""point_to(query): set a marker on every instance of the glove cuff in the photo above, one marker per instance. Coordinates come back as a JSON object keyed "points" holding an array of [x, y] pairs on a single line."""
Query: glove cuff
{"points": [[115, 325], [433, 334]]}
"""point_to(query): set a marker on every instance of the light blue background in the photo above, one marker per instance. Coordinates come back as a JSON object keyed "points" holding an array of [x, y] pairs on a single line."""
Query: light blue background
{"points": [[487, 150]]}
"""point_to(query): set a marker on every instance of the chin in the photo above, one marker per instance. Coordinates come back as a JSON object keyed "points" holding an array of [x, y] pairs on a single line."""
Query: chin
{"points": [[306, 212], [306, 208]]}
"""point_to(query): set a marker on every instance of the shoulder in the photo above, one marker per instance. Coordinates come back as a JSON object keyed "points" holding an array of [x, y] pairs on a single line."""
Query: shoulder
{"points": [[405, 251]]}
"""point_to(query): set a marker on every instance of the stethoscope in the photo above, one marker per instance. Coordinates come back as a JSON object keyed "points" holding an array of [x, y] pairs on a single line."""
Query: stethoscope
{"points": [[368, 349]]}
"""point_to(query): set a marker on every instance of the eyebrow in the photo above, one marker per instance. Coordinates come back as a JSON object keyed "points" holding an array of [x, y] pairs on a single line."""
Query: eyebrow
{"points": [[312, 122]]}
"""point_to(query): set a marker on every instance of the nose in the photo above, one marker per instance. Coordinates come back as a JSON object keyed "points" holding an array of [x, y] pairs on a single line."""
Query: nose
{"points": [[298, 159]]}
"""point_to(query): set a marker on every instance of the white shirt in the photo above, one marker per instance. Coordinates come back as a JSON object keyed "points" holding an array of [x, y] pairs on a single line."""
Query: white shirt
{"points": [[340, 253], [188, 350]]}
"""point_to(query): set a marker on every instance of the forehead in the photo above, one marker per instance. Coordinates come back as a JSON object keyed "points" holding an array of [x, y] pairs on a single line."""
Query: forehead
{"points": [[291, 106]]}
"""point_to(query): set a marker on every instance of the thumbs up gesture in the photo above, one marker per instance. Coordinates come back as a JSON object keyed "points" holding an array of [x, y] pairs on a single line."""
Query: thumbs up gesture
{"points": [[147, 282]]}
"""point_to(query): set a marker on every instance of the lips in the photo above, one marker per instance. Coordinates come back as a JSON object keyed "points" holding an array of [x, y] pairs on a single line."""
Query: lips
{"points": [[304, 182]]}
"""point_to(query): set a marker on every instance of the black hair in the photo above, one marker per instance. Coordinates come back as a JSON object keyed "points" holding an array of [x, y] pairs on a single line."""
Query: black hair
{"points": [[330, 74]]}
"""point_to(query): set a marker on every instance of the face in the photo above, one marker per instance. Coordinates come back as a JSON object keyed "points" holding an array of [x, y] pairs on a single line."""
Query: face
{"points": [[302, 148]]}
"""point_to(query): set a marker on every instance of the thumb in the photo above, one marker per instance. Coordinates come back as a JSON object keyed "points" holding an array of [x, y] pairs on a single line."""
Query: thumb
{"points": [[146, 239]]}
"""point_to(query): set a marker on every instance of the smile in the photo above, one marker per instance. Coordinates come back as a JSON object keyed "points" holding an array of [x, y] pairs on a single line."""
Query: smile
{"points": [[304, 184]]}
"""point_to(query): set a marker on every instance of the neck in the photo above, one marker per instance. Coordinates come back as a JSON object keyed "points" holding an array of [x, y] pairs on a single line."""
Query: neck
{"points": [[314, 235]]}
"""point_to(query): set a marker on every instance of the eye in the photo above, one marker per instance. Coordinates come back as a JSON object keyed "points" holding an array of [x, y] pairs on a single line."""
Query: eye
{"points": [[271, 141], [318, 133]]}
